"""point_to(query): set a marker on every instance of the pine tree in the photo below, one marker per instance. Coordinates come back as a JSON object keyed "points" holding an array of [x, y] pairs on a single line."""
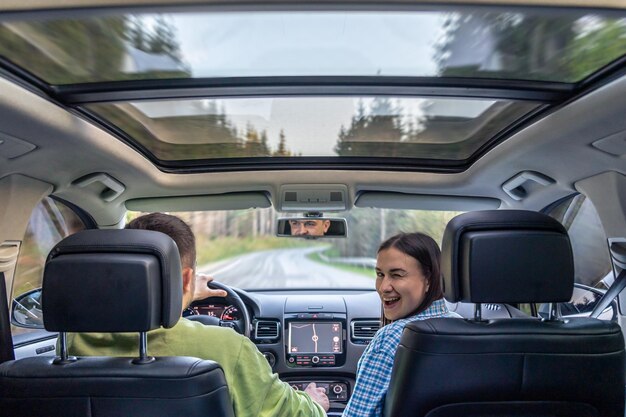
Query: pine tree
{"points": [[164, 41], [282, 145], [136, 35], [264, 149], [374, 133], [252, 142]]}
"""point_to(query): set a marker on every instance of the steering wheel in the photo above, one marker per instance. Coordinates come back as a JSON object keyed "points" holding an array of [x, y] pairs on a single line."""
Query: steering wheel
{"points": [[241, 326]]}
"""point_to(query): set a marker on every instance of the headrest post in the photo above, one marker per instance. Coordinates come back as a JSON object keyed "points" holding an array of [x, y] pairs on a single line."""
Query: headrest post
{"points": [[554, 312], [143, 350], [64, 358], [478, 312]]}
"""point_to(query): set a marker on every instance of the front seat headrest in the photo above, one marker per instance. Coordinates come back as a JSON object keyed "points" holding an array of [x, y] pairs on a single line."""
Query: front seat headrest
{"points": [[112, 281], [506, 256]]}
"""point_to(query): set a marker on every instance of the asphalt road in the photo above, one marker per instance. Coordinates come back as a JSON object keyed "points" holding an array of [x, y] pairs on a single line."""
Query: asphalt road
{"points": [[283, 268]]}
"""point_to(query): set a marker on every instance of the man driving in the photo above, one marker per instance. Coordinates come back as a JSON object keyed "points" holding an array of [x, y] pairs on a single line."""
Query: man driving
{"points": [[255, 391], [309, 227]]}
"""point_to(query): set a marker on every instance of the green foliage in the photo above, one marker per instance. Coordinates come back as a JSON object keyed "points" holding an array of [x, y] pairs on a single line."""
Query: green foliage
{"points": [[558, 48], [597, 48], [368, 228], [67, 51]]}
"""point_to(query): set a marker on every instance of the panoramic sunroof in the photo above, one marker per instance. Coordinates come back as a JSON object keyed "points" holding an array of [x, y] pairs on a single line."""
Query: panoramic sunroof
{"points": [[534, 44], [430, 128], [205, 88]]}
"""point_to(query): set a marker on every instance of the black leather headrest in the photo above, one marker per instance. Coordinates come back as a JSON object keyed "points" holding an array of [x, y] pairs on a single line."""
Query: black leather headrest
{"points": [[112, 281], [506, 256]]}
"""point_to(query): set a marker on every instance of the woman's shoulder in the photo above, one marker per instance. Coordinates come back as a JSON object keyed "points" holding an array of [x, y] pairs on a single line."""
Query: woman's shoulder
{"points": [[388, 336]]}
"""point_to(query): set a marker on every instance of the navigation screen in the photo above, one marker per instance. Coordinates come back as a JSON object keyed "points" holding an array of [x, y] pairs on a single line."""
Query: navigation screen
{"points": [[317, 337]]}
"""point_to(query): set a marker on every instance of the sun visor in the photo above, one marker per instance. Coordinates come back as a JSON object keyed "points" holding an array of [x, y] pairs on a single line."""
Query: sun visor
{"points": [[405, 201], [228, 201]]}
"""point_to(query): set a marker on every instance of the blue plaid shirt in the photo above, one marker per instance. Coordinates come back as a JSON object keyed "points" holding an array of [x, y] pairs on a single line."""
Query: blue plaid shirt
{"points": [[374, 368]]}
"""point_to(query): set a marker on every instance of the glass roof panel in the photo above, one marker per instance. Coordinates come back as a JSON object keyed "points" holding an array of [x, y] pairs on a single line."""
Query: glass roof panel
{"points": [[561, 45], [434, 128]]}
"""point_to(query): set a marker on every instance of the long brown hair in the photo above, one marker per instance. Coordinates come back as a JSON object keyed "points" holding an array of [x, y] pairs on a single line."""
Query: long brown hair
{"points": [[428, 255]]}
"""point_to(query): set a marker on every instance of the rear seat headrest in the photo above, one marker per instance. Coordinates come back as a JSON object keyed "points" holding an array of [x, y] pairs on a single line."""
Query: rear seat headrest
{"points": [[112, 281], [506, 256]]}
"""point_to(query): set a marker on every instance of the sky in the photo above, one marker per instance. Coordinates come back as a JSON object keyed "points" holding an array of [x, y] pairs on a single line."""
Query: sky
{"points": [[296, 43]]}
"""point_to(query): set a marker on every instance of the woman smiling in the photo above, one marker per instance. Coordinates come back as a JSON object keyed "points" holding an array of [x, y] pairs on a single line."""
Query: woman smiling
{"points": [[408, 281]]}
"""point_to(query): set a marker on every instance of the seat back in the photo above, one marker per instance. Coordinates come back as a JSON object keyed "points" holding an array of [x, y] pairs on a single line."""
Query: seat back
{"points": [[113, 281], [507, 367]]}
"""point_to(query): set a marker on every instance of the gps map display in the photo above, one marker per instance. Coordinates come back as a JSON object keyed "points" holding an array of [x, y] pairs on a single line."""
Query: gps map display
{"points": [[317, 337]]}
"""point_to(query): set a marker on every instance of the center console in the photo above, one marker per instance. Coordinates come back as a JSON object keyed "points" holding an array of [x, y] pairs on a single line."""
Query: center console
{"points": [[335, 390], [316, 347], [315, 340]]}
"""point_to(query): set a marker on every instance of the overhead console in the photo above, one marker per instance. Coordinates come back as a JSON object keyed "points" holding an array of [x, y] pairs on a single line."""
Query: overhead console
{"points": [[313, 197]]}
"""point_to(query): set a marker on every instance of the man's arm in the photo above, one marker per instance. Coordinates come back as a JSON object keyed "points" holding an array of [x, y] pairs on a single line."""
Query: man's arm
{"points": [[258, 392]]}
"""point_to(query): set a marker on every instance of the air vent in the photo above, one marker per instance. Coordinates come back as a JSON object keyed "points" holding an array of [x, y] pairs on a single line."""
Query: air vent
{"points": [[365, 329], [266, 330]]}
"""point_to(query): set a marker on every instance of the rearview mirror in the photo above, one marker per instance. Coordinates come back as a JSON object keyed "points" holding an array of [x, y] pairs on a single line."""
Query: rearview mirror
{"points": [[312, 227], [26, 310]]}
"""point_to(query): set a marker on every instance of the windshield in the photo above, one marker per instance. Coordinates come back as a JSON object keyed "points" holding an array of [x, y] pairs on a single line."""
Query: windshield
{"points": [[240, 247]]}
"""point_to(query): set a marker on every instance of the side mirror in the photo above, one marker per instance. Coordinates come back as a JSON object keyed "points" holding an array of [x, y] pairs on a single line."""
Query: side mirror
{"points": [[312, 227], [26, 310], [583, 301]]}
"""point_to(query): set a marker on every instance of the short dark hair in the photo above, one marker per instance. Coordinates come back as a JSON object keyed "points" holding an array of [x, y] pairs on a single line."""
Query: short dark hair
{"points": [[175, 228], [428, 255]]}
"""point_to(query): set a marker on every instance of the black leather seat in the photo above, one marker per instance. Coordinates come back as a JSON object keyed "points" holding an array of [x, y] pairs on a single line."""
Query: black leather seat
{"points": [[113, 281], [508, 367]]}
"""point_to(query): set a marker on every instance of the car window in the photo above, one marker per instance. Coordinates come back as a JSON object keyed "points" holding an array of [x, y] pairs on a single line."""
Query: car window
{"points": [[240, 247], [592, 263], [50, 222]]}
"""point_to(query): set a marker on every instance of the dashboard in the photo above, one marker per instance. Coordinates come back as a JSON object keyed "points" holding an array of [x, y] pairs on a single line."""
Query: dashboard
{"points": [[307, 335], [315, 335]]}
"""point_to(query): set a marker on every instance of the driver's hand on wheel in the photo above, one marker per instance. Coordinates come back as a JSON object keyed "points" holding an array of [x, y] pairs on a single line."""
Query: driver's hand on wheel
{"points": [[202, 290], [318, 395]]}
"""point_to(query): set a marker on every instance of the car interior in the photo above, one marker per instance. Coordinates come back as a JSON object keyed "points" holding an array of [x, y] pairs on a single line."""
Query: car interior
{"points": [[495, 126]]}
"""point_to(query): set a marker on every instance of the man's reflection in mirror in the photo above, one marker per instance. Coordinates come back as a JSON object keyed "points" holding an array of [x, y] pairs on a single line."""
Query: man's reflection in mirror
{"points": [[309, 227]]}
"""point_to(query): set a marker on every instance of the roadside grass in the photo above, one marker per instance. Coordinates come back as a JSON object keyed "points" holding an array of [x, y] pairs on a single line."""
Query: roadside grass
{"points": [[217, 249], [368, 272]]}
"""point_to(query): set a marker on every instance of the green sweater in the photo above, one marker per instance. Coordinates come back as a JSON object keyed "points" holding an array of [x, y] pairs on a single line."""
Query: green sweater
{"points": [[254, 390]]}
